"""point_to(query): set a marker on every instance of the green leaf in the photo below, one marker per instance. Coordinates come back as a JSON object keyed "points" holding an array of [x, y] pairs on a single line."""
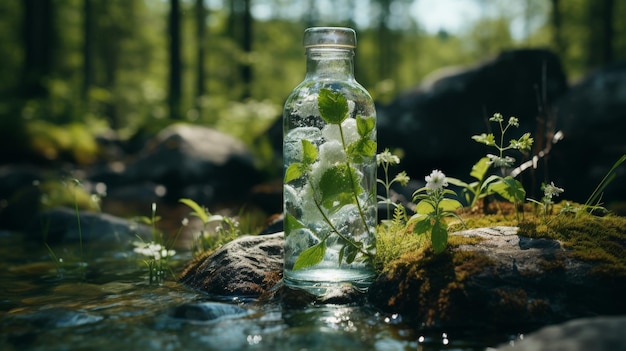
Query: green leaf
{"points": [[351, 253], [311, 256], [294, 171], [439, 237], [365, 126], [291, 223], [422, 226], [487, 139], [424, 207], [309, 152], [450, 205], [457, 182], [333, 106], [480, 169], [339, 184], [197, 209], [364, 147], [510, 189]]}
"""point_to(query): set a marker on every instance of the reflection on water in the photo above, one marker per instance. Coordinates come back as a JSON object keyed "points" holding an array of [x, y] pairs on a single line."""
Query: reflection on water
{"points": [[107, 304]]}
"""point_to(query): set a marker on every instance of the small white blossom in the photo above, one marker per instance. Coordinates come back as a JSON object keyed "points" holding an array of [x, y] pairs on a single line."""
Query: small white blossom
{"points": [[153, 250], [497, 161], [550, 190], [387, 158], [402, 178], [436, 180]]}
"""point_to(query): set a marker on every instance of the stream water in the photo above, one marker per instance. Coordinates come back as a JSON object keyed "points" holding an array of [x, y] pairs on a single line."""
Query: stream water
{"points": [[107, 303]]}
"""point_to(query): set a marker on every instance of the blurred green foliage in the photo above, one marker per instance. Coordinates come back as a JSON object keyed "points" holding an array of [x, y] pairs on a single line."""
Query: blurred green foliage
{"points": [[104, 64]]}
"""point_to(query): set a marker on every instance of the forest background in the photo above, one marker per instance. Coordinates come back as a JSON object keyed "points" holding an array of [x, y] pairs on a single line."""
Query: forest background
{"points": [[72, 70]]}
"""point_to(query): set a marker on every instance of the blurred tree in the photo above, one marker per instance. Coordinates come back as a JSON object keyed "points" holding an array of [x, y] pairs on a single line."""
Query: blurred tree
{"points": [[88, 39], [602, 32], [38, 36], [556, 17], [175, 64], [201, 18]]}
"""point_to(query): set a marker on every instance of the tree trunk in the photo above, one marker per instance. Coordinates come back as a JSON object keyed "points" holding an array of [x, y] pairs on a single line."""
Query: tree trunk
{"points": [[557, 27], [88, 20], [385, 45], [201, 40], [608, 30], [174, 98], [38, 34], [246, 44]]}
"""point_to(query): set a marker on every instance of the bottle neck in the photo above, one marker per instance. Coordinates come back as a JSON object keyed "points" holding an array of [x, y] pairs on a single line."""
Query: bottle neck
{"points": [[336, 63]]}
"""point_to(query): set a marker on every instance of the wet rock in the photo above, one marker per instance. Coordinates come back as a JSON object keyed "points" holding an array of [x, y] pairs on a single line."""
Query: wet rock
{"points": [[498, 277], [247, 267], [208, 311], [62, 225], [597, 333], [61, 318]]}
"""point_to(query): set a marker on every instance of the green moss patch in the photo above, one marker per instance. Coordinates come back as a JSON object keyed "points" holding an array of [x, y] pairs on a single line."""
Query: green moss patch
{"points": [[594, 239]]}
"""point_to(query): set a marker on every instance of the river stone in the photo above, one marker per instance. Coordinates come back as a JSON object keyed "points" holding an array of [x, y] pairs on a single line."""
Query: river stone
{"points": [[61, 224], [208, 311], [597, 333], [499, 279], [245, 267]]}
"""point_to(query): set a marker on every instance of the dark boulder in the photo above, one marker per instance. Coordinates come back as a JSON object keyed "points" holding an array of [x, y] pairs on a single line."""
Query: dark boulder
{"points": [[433, 123], [592, 116], [189, 161], [59, 225], [246, 267]]}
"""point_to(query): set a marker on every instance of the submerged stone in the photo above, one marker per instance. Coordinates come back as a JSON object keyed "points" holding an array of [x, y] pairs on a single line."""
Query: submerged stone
{"points": [[208, 311], [597, 333]]}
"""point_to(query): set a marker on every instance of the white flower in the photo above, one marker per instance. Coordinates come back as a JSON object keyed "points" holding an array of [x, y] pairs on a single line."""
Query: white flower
{"points": [[550, 190], [153, 250], [506, 161], [436, 180], [387, 158], [402, 178]]}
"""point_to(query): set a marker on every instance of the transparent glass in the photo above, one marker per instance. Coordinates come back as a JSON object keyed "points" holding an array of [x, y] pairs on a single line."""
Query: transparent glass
{"points": [[329, 146]]}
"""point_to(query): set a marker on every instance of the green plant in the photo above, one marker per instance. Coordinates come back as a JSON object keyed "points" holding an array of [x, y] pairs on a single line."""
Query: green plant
{"points": [[57, 193], [549, 191], [336, 184], [156, 251], [432, 209], [506, 186], [594, 200], [384, 160], [224, 228]]}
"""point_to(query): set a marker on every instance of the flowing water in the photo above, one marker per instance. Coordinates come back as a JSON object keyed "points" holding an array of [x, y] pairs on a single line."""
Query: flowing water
{"points": [[107, 303]]}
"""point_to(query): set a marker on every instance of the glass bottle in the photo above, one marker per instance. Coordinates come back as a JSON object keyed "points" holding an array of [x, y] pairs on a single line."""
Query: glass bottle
{"points": [[329, 188]]}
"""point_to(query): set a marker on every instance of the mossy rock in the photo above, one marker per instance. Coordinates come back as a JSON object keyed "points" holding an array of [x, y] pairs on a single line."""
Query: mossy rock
{"points": [[512, 277]]}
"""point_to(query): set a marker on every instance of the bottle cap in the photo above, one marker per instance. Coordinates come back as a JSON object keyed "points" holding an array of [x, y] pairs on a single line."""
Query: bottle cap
{"points": [[335, 37]]}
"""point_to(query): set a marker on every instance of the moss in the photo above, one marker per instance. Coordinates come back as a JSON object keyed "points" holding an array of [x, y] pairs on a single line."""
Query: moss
{"points": [[434, 285], [588, 238]]}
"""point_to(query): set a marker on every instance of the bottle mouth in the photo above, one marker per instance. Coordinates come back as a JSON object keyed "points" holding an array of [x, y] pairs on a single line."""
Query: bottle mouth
{"points": [[330, 37]]}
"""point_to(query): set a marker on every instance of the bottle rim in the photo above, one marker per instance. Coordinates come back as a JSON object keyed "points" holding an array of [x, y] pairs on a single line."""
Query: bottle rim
{"points": [[330, 37]]}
